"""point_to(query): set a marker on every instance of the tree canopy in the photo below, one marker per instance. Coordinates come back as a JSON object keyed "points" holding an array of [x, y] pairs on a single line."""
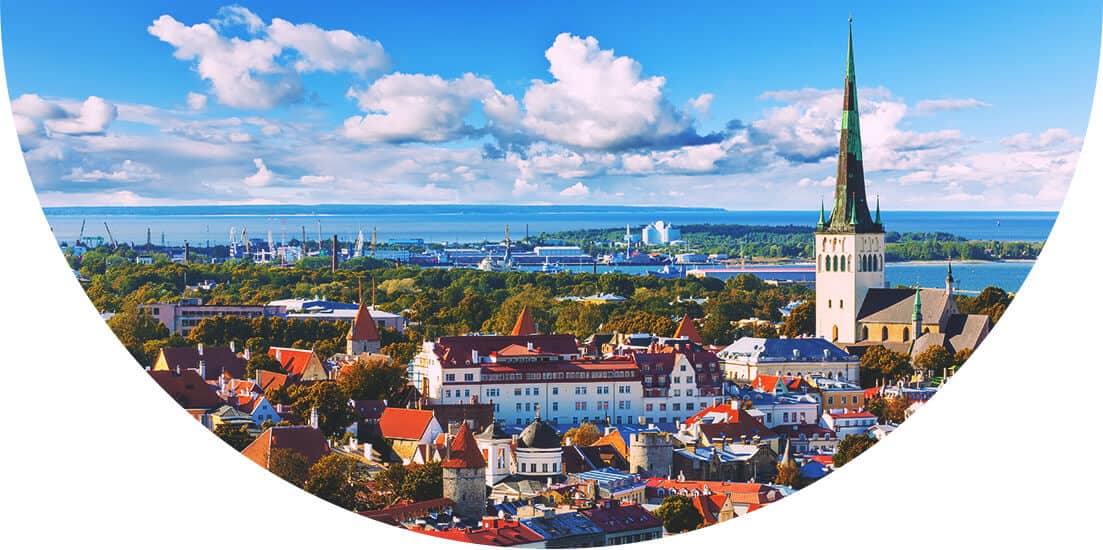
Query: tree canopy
{"points": [[850, 447], [583, 435], [678, 514]]}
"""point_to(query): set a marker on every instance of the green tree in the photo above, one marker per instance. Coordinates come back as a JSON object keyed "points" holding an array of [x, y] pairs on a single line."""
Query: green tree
{"points": [[334, 412], [962, 356], [934, 359], [678, 514], [401, 352], [289, 465], [801, 320], [134, 327], [336, 479], [640, 322], [584, 435], [237, 437], [879, 362], [372, 378], [262, 361], [422, 482], [850, 447]]}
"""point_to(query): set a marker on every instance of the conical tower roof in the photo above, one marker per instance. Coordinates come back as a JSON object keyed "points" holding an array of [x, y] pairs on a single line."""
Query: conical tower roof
{"points": [[850, 211], [686, 329], [363, 326], [524, 325], [464, 452]]}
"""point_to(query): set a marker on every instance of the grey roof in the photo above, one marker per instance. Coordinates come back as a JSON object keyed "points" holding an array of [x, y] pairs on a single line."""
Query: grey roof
{"points": [[761, 350], [562, 525], [539, 435], [895, 305], [967, 331], [493, 431]]}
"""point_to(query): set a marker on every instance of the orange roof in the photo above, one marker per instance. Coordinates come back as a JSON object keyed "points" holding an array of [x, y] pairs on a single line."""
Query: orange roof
{"points": [[525, 324], [363, 326], [709, 507], [304, 440], [464, 451], [687, 330], [612, 438], [270, 380], [294, 361], [398, 423]]}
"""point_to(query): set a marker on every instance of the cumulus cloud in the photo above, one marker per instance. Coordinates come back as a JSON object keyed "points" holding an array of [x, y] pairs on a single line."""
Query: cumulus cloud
{"points": [[197, 102], [263, 176], [126, 172], [577, 190], [601, 101], [316, 180], [263, 70], [702, 104], [417, 107]]}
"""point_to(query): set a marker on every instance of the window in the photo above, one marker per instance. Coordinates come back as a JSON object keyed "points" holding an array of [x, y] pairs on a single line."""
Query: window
{"points": [[555, 390], [677, 406], [662, 407], [854, 399], [545, 465], [689, 380], [536, 391], [689, 406], [769, 417], [528, 406], [785, 417], [683, 369], [689, 392], [830, 400], [518, 407], [467, 393], [516, 391], [677, 379], [648, 407], [555, 466], [450, 378], [677, 393], [448, 393], [555, 405], [469, 377]]}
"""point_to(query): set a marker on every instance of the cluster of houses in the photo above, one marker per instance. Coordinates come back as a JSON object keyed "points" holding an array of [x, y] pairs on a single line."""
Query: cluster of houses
{"points": [[673, 417]]}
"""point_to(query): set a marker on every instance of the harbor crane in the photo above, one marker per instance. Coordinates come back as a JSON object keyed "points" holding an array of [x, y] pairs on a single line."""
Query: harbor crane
{"points": [[80, 237], [114, 245], [358, 248]]}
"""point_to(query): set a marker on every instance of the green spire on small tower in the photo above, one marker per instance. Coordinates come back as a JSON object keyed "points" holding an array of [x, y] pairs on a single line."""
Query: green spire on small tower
{"points": [[853, 210], [878, 220], [822, 222], [917, 310]]}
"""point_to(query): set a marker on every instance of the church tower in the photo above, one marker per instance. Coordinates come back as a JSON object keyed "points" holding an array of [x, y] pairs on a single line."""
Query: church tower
{"points": [[850, 243]]}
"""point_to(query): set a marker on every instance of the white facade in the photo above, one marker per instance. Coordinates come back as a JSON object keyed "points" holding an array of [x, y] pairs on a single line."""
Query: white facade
{"points": [[847, 266], [849, 423], [660, 232], [748, 358]]}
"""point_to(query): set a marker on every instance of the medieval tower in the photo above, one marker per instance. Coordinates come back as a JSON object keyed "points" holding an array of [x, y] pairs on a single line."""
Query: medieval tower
{"points": [[464, 476], [651, 454], [850, 244]]}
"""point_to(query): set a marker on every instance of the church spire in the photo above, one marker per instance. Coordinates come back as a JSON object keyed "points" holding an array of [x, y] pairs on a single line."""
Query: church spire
{"points": [[917, 310], [878, 220], [850, 211], [822, 222], [949, 275]]}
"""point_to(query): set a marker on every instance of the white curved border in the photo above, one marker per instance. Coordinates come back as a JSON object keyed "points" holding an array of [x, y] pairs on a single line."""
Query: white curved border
{"points": [[93, 456]]}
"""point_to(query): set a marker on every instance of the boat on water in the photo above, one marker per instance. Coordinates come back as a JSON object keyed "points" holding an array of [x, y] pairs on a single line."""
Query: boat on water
{"points": [[549, 267], [669, 272]]}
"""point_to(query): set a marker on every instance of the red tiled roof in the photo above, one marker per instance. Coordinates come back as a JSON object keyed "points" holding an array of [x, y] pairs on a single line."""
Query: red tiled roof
{"points": [[852, 414], [270, 380], [305, 440], [464, 451], [216, 359], [686, 329], [709, 507], [614, 516], [517, 350], [187, 388], [493, 532], [612, 438], [294, 361], [525, 325], [826, 460], [363, 326], [739, 493], [396, 423], [455, 351]]}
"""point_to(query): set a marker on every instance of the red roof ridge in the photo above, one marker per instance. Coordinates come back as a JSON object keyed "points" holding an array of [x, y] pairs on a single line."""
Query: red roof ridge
{"points": [[688, 330], [464, 451], [525, 325], [363, 326]]}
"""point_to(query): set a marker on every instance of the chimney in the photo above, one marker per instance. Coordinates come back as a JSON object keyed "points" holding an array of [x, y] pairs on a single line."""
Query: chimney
{"points": [[367, 450], [200, 348], [233, 347], [248, 354], [279, 356], [529, 345], [202, 369], [475, 357]]}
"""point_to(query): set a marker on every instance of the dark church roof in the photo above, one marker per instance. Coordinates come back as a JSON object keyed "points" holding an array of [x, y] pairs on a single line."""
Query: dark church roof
{"points": [[539, 435], [895, 305]]}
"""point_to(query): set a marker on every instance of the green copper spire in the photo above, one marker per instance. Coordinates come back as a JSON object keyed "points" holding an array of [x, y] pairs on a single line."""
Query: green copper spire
{"points": [[878, 220], [917, 311], [822, 221], [850, 211]]}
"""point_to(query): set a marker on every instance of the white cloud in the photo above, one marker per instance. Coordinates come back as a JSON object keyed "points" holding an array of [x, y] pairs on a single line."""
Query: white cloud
{"points": [[197, 102], [127, 172], [240, 137], [416, 107], [251, 73], [702, 104], [33, 106], [932, 106], [577, 190], [316, 180], [94, 116], [263, 176], [599, 100]]}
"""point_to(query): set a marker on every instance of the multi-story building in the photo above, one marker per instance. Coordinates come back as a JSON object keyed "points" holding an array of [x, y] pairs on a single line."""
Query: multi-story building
{"points": [[182, 316], [747, 358], [523, 374], [660, 232]]}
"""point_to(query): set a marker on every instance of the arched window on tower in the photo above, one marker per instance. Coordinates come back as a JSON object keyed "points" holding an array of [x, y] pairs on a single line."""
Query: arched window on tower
{"points": [[835, 333], [907, 334], [834, 263], [884, 334]]}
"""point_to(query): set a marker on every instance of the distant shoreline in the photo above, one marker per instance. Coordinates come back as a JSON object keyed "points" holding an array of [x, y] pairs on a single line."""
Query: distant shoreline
{"points": [[957, 261]]}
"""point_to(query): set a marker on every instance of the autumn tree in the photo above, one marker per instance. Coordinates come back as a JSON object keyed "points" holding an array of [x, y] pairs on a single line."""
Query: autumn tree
{"points": [[583, 436], [789, 474], [133, 327], [423, 482], [334, 411], [336, 479], [896, 410], [678, 514], [639, 323], [880, 362], [237, 437], [934, 359], [850, 447], [962, 356], [376, 377], [801, 320], [289, 465]]}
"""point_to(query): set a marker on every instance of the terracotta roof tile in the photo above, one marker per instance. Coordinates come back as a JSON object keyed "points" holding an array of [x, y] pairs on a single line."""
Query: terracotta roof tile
{"points": [[363, 326], [217, 359], [525, 325], [294, 361], [397, 423], [187, 388], [464, 451], [686, 329], [305, 440]]}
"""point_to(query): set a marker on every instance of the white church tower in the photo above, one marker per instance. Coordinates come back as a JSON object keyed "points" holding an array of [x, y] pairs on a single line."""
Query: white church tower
{"points": [[850, 244]]}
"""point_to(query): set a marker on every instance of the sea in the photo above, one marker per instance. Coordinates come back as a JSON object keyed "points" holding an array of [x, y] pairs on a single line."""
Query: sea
{"points": [[200, 225]]}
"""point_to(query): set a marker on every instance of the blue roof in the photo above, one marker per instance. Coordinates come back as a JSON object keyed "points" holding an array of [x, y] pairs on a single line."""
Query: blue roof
{"points": [[611, 477], [786, 350], [562, 525]]}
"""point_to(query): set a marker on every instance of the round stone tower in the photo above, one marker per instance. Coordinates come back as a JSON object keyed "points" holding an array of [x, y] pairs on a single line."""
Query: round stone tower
{"points": [[651, 454], [464, 476]]}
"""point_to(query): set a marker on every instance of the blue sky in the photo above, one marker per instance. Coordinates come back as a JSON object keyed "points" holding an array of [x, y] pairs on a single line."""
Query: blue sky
{"points": [[965, 107]]}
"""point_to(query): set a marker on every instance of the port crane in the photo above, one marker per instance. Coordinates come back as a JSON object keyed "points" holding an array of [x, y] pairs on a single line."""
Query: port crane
{"points": [[80, 237], [114, 245], [233, 243], [358, 248]]}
